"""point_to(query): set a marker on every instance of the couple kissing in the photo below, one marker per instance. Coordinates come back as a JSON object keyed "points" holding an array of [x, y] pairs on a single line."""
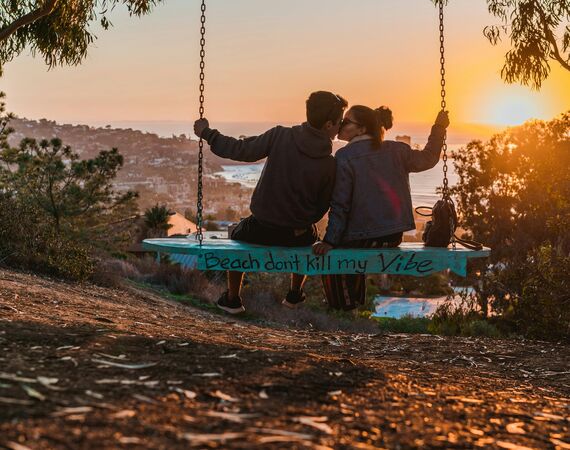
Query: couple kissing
{"points": [[364, 188]]}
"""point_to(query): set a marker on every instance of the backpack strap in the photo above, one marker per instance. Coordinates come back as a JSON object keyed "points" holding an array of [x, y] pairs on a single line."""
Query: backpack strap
{"points": [[419, 208], [468, 243]]}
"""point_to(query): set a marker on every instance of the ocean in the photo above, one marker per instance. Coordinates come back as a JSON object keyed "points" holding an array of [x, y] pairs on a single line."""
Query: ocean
{"points": [[458, 134], [423, 185]]}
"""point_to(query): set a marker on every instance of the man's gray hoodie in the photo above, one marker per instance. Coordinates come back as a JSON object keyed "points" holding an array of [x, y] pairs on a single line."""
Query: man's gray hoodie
{"points": [[296, 183]]}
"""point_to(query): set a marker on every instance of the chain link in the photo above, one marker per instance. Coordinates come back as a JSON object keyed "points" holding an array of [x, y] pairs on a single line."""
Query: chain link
{"points": [[443, 101], [200, 195], [445, 191]]}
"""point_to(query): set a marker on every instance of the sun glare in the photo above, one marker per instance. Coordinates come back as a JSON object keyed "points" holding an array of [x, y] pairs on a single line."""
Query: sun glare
{"points": [[513, 108]]}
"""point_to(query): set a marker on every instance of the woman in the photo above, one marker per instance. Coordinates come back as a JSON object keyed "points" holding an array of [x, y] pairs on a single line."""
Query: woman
{"points": [[371, 205]]}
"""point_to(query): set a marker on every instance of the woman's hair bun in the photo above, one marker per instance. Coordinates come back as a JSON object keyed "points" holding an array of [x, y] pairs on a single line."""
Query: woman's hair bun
{"points": [[384, 116]]}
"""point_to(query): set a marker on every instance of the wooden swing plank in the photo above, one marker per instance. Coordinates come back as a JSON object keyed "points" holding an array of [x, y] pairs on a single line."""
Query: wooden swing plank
{"points": [[409, 259]]}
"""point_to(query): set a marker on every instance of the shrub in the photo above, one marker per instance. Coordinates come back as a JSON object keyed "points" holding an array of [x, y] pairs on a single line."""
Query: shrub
{"points": [[462, 317], [405, 324], [453, 317], [27, 242], [480, 328], [173, 277], [513, 194], [66, 258], [539, 289]]}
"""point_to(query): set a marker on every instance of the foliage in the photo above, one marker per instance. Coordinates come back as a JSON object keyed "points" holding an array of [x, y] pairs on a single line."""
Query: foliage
{"points": [[405, 324], [28, 242], [60, 31], [539, 32], [461, 317], [538, 294], [66, 188], [172, 277], [514, 195], [156, 221], [57, 211], [176, 279], [514, 191]]}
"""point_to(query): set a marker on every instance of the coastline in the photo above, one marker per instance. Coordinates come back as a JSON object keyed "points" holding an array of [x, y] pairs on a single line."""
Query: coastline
{"points": [[423, 185]]}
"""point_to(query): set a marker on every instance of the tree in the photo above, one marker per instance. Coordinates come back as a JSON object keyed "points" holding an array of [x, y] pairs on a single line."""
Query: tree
{"points": [[71, 192], [57, 212], [58, 30], [514, 191], [156, 220], [4, 120], [514, 195], [539, 32]]}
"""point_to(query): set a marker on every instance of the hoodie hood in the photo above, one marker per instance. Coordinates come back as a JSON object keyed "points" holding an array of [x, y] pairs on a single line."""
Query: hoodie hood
{"points": [[312, 142]]}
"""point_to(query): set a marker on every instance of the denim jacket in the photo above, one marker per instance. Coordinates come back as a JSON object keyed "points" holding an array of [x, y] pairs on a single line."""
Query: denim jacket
{"points": [[371, 196]]}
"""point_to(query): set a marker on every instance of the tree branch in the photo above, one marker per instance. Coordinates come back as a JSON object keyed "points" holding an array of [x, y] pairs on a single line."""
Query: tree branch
{"points": [[552, 40], [555, 51], [29, 18]]}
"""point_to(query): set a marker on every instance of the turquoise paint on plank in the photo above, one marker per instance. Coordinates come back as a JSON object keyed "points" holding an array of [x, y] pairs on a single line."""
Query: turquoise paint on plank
{"points": [[409, 259]]}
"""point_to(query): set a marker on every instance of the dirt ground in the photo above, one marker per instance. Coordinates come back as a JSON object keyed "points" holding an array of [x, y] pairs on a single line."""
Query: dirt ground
{"points": [[83, 367]]}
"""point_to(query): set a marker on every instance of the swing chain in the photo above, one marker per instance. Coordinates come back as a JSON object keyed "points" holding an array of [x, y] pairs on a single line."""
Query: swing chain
{"points": [[445, 191], [443, 102], [199, 205]]}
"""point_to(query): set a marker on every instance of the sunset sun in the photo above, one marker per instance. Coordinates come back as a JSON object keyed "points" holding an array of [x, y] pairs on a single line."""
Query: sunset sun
{"points": [[512, 108]]}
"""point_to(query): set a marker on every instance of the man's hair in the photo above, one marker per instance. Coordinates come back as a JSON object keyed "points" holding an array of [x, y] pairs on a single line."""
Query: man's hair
{"points": [[323, 106]]}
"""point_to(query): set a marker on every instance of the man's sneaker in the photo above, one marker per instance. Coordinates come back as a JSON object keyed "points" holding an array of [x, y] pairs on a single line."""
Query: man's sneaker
{"points": [[233, 306], [294, 299]]}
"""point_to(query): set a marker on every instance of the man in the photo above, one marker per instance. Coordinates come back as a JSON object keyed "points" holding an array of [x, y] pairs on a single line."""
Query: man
{"points": [[294, 190]]}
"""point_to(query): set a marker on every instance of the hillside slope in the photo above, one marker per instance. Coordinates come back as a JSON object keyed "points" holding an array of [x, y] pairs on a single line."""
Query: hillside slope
{"points": [[86, 367]]}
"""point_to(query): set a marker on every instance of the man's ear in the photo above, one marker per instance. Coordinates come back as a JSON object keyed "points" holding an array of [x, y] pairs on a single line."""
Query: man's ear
{"points": [[328, 125]]}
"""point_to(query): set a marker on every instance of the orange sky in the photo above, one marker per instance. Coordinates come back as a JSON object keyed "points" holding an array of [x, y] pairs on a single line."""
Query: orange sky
{"points": [[265, 57]]}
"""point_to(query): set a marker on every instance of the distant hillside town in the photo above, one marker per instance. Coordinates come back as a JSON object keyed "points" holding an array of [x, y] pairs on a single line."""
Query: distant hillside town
{"points": [[161, 170]]}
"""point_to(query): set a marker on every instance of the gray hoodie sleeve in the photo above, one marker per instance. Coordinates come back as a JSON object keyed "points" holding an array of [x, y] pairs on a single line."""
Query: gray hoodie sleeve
{"points": [[340, 203], [327, 191], [420, 160], [250, 149]]}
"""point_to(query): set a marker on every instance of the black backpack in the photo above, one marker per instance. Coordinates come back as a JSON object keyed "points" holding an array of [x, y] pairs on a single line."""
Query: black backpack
{"points": [[440, 230]]}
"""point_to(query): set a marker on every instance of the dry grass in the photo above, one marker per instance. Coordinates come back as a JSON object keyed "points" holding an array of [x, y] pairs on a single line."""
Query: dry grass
{"points": [[262, 293], [174, 278]]}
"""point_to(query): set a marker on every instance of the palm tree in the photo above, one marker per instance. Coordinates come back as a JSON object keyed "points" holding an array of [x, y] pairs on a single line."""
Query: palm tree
{"points": [[156, 221]]}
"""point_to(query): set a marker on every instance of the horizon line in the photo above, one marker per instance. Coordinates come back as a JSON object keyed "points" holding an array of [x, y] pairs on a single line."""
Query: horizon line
{"points": [[166, 121]]}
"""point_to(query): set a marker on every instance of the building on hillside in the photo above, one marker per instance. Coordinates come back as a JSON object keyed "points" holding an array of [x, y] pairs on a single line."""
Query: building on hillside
{"points": [[180, 225], [405, 139]]}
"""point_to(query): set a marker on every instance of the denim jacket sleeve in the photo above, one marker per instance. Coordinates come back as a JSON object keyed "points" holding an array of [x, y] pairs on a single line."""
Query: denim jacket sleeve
{"points": [[341, 202], [420, 160], [250, 149]]}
